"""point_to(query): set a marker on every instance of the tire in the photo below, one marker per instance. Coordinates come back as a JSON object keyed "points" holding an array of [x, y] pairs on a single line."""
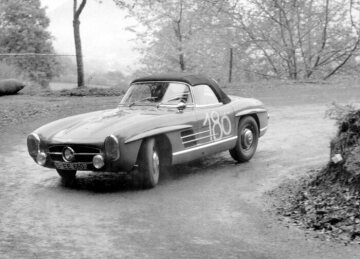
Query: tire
{"points": [[248, 136], [67, 176], [149, 163]]}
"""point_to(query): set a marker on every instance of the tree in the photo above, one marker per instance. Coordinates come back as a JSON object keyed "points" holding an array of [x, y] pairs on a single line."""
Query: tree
{"points": [[300, 39], [183, 35], [77, 10], [166, 16], [227, 38], [23, 29]]}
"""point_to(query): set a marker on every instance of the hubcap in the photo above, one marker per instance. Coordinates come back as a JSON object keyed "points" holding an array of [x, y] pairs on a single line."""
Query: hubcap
{"points": [[156, 166], [247, 138]]}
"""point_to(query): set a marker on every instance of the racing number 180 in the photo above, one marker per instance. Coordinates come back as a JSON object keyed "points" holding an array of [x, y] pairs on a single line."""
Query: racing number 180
{"points": [[219, 126]]}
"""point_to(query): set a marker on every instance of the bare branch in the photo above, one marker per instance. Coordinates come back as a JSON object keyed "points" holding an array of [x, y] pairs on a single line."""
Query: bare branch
{"points": [[77, 11], [336, 69]]}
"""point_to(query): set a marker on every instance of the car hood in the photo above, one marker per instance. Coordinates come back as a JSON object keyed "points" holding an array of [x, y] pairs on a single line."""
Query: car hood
{"points": [[96, 126]]}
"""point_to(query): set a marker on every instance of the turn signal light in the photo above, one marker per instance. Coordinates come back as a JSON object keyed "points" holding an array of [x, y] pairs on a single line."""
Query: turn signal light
{"points": [[41, 158], [98, 161]]}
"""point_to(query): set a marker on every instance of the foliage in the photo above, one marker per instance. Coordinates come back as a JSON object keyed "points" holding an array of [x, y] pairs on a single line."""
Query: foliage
{"points": [[278, 38], [301, 38], [111, 78], [23, 25], [9, 71], [89, 91], [340, 112], [183, 35], [348, 136], [331, 210], [329, 199]]}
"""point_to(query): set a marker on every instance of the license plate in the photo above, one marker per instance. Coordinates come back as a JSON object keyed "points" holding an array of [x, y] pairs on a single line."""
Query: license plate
{"points": [[70, 166]]}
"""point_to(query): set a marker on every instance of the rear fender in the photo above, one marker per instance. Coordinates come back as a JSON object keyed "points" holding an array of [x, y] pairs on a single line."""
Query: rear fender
{"points": [[259, 114]]}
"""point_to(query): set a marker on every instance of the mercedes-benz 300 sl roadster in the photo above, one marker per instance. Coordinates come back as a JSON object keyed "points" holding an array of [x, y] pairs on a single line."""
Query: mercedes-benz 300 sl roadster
{"points": [[161, 121]]}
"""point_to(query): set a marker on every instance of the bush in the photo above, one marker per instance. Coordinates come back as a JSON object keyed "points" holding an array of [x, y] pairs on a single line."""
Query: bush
{"points": [[10, 86], [9, 71], [91, 91], [328, 201], [347, 144]]}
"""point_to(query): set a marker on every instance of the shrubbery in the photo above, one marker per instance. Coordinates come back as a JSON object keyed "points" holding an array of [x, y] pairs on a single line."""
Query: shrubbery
{"points": [[10, 86], [347, 145], [87, 91], [329, 200]]}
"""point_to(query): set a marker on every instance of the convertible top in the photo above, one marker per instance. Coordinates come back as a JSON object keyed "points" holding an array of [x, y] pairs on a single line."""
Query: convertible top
{"points": [[190, 79]]}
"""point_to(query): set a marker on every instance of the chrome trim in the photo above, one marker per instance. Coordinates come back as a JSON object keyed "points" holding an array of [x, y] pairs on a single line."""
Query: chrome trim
{"points": [[77, 154], [263, 129], [198, 133], [36, 136], [114, 138], [191, 105], [72, 152], [208, 105], [54, 153], [186, 142], [200, 146]]}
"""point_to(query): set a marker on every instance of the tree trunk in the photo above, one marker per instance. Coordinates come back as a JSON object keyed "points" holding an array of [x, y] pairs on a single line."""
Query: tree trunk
{"points": [[79, 56], [182, 61], [230, 65]]}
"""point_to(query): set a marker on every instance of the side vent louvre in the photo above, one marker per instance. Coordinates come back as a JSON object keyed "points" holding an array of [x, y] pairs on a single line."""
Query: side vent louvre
{"points": [[188, 138]]}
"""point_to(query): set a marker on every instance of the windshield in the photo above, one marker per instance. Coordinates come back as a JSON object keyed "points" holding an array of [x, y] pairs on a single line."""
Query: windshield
{"points": [[157, 93]]}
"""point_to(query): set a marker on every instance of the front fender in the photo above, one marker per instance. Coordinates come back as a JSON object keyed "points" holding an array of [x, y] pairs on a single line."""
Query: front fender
{"points": [[156, 131]]}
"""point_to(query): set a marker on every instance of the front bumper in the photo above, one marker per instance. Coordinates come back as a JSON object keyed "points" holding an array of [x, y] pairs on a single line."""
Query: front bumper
{"points": [[84, 154]]}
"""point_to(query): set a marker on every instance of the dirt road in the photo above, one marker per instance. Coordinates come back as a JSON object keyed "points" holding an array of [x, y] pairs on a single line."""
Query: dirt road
{"points": [[213, 208]]}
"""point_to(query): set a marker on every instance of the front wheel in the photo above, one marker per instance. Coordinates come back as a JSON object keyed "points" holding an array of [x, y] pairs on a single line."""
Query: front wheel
{"points": [[248, 135], [149, 163], [67, 176]]}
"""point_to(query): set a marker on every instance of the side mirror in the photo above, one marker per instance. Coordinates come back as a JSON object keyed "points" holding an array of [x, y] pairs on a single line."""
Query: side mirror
{"points": [[181, 106]]}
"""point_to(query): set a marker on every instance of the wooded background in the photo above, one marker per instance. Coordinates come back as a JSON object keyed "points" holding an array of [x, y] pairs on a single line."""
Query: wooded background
{"points": [[230, 40]]}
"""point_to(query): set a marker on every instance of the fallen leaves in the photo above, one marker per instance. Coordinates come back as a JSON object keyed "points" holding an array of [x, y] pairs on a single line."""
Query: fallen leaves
{"points": [[328, 200]]}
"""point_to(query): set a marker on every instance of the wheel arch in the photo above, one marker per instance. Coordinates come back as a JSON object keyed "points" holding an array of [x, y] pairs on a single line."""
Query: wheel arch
{"points": [[166, 149], [254, 115]]}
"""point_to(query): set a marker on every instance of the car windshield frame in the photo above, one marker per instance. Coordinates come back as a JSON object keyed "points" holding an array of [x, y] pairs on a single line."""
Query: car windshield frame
{"points": [[150, 96]]}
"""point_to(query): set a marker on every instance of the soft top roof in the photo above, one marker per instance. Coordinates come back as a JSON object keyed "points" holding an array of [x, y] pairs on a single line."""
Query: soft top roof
{"points": [[190, 79]]}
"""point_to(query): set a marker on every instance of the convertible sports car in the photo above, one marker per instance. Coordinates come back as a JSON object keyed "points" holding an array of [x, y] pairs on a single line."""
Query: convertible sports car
{"points": [[161, 121]]}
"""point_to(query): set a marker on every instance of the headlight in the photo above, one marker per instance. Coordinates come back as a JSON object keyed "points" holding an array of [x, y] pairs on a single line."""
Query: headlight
{"points": [[33, 143], [112, 150]]}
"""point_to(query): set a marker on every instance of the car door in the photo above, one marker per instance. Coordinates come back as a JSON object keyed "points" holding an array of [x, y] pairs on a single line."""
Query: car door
{"points": [[214, 129], [215, 119]]}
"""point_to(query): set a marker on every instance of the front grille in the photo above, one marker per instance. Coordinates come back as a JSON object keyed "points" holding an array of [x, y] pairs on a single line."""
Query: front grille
{"points": [[82, 153]]}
